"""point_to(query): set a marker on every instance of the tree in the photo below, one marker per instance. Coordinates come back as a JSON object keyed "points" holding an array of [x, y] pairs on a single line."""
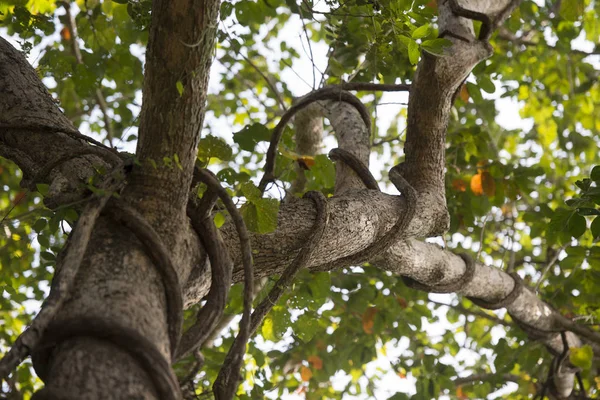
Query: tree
{"points": [[325, 272]]}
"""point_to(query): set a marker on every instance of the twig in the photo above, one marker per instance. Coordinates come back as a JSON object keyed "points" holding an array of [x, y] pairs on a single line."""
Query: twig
{"points": [[376, 87], [549, 265], [100, 100], [471, 379], [476, 313], [481, 236], [15, 204], [270, 84]]}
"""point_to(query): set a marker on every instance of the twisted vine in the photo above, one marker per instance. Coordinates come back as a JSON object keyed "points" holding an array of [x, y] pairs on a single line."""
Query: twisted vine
{"points": [[220, 266], [326, 93], [46, 332], [228, 379]]}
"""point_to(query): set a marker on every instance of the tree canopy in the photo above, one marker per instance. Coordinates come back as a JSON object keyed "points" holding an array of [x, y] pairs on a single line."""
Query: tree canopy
{"points": [[522, 191]]}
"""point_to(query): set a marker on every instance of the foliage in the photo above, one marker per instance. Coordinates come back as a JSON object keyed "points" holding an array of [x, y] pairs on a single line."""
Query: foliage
{"points": [[522, 196]]}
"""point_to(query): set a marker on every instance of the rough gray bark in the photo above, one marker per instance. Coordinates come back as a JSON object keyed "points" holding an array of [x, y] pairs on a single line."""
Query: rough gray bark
{"points": [[118, 282]]}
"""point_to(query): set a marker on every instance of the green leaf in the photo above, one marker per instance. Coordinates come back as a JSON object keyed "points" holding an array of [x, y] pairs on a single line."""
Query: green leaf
{"points": [[595, 175], [486, 84], [581, 356], [261, 215], [558, 223], [267, 330], [421, 32], [43, 240], [248, 137], [39, 225], [275, 324], [9, 289], [587, 211], [47, 256], [177, 162], [250, 191], [595, 227], [576, 225], [572, 10], [413, 52], [212, 146], [320, 285], [179, 86], [436, 46], [474, 92], [584, 184], [322, 173], [219, 219], [71, 216], [306, 327], [42, 188], [268, 210]]}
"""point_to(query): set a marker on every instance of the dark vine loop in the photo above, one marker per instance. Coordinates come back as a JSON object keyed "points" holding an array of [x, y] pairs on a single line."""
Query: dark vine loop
{"points": [[45, 332], [220, 268], [356, 165], [144, 352], [228, 379], [449, 287], [506, 301], [397, 231], [154, 247]]}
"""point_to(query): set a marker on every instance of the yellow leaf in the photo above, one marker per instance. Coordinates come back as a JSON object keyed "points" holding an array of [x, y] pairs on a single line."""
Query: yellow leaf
{"points": [[464, 93], [315, 361], [476, 187], [459, 185], [368, 320], [305, 373]]}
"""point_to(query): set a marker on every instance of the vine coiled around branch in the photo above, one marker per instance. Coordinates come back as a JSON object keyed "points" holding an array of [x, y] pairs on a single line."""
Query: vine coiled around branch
{"points": [[45, 331], [228, 379]]}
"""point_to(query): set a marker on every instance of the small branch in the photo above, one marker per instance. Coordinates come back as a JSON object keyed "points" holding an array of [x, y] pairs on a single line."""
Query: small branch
{"points": [[375, 87], [268, 81], [475, 313], [100, 100], [385, 140], [548, 266], [508, 36], [481, 236], [311, 56], [475, 378], [581, 330]]}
